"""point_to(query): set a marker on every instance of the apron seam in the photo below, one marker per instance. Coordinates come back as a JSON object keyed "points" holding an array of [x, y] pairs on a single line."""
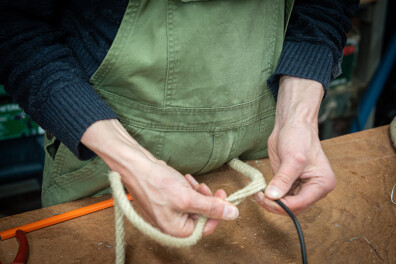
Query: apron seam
{"points": [[201, 127], [173, 109], [212, 156], [114, 52], [273, 38], [160, 143], [64, 181], [171, 40], [59, 161]]}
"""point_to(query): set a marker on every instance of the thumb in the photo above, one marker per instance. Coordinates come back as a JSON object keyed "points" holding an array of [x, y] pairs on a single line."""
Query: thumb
{"points": [[289, 171], [213, 207]]}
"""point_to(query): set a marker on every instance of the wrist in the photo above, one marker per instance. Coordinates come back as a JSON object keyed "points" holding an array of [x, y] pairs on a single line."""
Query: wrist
{"points": [[110, 141], [103, 134], [298, 101]]}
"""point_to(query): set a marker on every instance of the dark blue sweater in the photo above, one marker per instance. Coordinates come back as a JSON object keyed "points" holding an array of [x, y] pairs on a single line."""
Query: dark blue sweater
{"points": [[49, 49]]}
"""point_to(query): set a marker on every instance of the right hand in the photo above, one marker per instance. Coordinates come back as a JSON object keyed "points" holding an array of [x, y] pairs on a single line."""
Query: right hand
{"points": [[164, 197]]}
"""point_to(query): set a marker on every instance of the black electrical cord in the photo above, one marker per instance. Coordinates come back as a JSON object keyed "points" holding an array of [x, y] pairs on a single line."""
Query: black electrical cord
{"points": [[299, 231]]}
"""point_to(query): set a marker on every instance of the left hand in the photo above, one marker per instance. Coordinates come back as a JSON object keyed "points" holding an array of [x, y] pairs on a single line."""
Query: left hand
{"points": [[165, 198], [303, 174], [202, 188]]}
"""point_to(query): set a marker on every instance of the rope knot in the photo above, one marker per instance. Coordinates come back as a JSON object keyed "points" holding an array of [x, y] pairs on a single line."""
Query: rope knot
{"points": [[122, 207]]}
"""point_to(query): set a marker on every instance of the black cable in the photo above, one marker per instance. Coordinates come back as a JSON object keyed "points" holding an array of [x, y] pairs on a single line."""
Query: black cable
{"points": [[299, 231]]}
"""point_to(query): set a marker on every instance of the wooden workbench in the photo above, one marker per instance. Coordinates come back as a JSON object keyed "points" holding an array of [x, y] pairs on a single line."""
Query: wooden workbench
{"points": [[336, 228]]}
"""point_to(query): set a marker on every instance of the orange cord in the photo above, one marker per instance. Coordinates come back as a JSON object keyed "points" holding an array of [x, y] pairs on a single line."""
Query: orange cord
{"points": [[59, 218]]}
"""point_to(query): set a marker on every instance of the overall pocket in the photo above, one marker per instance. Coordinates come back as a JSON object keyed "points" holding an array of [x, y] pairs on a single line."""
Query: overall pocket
{"points": [[260, 149], [67, 178], [188, 152]]}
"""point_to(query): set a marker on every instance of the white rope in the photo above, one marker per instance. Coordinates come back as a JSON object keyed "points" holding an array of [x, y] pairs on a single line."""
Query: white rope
{"points": [[122, 206], [120, 233]]}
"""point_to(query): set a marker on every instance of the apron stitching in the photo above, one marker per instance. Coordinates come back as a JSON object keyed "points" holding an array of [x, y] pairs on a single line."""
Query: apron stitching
{"points": [[270, 52], [261, 124], [236, 134], [66, 180], [152, 109], [262, 130], [211, 156], [216, 150], [273, 38], [114, 52], [167, 56], [171, 56], [201, 127], [58, 162], [160, 144]]}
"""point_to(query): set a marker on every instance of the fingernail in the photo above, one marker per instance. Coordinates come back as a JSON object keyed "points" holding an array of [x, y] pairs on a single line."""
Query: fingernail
{"points": [[273, 192], [259, 196], [230, 212]]}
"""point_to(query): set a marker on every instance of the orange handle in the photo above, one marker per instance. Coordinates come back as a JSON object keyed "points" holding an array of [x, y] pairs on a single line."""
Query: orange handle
{"points": [[59, 218]]}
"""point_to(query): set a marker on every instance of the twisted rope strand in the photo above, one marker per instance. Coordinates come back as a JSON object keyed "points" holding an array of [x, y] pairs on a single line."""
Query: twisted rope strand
{"points": [[123, 207], [120, 233]]}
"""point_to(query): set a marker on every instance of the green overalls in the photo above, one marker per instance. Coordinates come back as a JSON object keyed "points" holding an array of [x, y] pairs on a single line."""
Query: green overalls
{"points": [[188, 81]]}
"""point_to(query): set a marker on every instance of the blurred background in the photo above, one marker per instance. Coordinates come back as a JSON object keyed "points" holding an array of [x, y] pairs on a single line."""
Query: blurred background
{"points": [[364, 96]]}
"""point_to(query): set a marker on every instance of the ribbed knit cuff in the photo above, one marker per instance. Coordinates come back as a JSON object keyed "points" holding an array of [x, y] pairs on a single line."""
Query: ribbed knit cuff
{"points": [[71, 111], [303, 60]]}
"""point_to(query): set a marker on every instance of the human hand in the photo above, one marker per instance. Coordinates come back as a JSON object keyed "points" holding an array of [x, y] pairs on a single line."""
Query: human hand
{"points": [[303, 174], [163, 196]]}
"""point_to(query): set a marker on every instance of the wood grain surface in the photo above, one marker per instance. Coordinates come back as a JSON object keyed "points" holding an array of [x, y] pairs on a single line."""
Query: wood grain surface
{"points": [[356, 223]]}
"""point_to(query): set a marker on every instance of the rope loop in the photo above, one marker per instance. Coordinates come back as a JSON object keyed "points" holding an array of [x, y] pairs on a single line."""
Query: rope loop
{"points": [[123, 207]]}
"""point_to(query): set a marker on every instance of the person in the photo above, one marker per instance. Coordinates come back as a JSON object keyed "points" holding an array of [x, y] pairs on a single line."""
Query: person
{"points": [[160, 89]]}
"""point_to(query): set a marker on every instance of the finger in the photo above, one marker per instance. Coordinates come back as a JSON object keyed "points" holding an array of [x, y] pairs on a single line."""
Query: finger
{"points": [[186, 230], [268, 204], [211, 224], [290, 169], [310, 193], [213, 207], [194, 216], [272, 207], [192, 181], [296, 187], [259, 196], [221, 194], [204, 189], [201, 188]]}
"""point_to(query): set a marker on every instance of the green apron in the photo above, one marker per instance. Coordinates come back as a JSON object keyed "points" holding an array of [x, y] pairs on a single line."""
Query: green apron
{"points": [[188, 81]]}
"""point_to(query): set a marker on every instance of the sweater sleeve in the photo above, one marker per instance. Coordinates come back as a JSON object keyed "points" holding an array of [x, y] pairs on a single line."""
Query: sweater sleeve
{"points": [[314, 41], [41, 74]]}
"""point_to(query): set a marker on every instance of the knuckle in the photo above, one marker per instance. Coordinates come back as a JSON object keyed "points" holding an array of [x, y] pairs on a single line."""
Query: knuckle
{"points": [[213, 209], [283, 179], [328, 182], [330, 186], [184, 203], [299, 158]]}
